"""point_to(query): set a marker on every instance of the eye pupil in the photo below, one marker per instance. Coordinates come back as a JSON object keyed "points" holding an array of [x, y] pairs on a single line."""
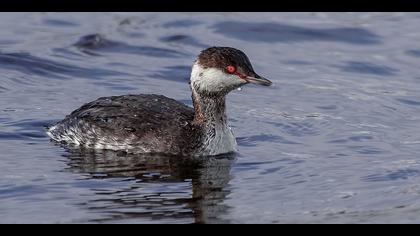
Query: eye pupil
{"points": [[230, 69]]}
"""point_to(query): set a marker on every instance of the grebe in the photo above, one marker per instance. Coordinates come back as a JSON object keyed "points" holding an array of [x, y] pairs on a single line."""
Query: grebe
{"points": [[149, 123]]}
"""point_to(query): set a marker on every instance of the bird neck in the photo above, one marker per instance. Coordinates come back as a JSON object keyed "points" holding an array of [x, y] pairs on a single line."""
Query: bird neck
{"points": [[209, 109]]}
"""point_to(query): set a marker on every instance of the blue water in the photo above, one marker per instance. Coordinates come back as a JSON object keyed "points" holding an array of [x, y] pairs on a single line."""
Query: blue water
{"points": [[336, 139]]}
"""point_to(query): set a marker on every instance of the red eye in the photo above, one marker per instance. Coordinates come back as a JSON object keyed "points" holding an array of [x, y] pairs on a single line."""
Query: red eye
{"points": [[230, 69]]}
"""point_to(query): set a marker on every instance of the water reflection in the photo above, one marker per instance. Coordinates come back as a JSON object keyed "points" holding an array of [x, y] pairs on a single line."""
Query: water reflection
{"points": [[151, 187]]}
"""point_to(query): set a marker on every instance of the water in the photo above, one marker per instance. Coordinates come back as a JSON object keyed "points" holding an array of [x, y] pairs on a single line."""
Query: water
{"points": [[335, 140]]}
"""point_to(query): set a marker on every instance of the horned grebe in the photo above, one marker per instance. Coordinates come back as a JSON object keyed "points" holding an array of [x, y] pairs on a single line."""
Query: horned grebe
{"points": [[149, 123]]}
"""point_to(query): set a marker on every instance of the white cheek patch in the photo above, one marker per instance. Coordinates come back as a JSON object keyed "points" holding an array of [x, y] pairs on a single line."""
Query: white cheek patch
{"points": [[212, 79]]}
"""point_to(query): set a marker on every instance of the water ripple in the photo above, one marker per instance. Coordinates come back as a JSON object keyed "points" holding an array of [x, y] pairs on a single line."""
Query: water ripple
{"points": [[183, 39], [181, 23], [94, 43], [173, 73], [368, 68], [59, 23], [252, 141], [297, 128], [275, 32], [392, 175], [2, 89], [29, 64], [413, 52], [408, 101]]}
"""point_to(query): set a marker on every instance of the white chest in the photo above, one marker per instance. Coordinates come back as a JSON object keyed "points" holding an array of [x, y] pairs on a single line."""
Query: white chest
{"points": [[219, 141]]}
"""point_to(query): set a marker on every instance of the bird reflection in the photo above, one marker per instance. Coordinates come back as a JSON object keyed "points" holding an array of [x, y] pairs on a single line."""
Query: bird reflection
{"points": [[155, 188]]}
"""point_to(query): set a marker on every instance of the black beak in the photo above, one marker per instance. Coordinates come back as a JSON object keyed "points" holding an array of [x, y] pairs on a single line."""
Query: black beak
{"points": [[256, 79]]}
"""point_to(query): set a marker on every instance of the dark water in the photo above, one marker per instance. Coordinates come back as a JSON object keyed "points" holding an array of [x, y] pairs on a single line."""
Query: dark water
{"points": [[335, 140]]}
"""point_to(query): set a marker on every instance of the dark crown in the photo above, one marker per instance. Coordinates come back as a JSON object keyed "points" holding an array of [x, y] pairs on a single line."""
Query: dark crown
{"points": [[221, 57]]}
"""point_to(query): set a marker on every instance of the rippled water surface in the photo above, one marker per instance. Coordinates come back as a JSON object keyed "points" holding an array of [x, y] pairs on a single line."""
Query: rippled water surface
{"points": [[335, 140]]}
